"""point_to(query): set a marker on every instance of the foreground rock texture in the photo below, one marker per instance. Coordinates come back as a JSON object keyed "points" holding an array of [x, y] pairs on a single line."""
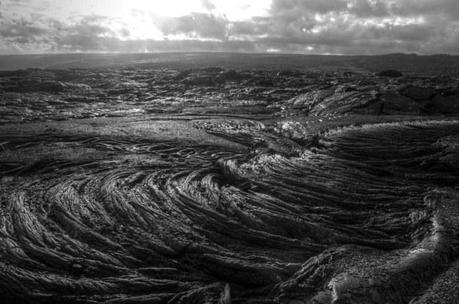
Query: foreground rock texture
{"points": [[367, 215], [237, 187]]}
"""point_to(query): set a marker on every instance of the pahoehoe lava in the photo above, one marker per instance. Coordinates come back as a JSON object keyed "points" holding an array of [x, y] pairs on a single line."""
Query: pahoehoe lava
{"points": [[364, 214]]}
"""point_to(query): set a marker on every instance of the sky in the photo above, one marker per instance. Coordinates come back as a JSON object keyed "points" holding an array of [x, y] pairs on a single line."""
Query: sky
{"points": [[348, 27]]}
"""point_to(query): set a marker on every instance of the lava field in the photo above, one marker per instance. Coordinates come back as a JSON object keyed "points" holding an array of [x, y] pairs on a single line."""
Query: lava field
{"points": [[212, 185]]}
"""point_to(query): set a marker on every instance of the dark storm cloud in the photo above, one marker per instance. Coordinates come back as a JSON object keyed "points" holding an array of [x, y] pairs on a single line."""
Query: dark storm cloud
{"points": [[316, 26]]}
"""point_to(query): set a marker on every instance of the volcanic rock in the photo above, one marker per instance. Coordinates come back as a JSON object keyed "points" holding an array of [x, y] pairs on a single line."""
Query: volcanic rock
{"points": [[418, 93], [444, 103], [390, 74], [210, 198], [308, 100], [200, 81], [394, 104], [230, 75]]}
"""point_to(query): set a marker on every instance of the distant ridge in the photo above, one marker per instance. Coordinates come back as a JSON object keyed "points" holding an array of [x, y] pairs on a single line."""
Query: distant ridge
{"points": [[407, 63]]}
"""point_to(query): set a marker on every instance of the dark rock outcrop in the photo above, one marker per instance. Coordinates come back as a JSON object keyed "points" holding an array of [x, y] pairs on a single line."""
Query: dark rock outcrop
{"points": [[395, 104], [418, 93], [230, 75], [444, 103], [389, 73]]}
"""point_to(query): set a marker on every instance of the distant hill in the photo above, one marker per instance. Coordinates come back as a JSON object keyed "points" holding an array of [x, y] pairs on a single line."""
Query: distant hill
{"points": [[407, 63]]}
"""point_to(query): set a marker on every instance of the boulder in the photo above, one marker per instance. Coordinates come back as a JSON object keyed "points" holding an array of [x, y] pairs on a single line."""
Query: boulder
{"points": [[344, 102], [289, 73], [230, 75], [183, 74], [390, 73], [204, 81], [310, 99], [444, 103], [32, 85], [261, 82], [213, 69], [395, 104], [372, 108], [418, 93]]}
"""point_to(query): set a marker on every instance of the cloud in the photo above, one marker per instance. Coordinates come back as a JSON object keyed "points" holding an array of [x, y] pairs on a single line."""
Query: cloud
{"points": [[196, 25], [87, 34], [299, 26], [308, 6], [208, 5], [359, 26], [449, 8], [22, 30], [367, 8]]}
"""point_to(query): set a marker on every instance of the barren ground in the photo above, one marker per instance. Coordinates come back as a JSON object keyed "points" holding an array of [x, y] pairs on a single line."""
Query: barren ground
{"points": [[143, 185]]}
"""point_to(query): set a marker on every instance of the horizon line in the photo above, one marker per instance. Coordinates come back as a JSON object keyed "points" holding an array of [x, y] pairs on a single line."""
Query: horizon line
{"points": [[226, 52]]}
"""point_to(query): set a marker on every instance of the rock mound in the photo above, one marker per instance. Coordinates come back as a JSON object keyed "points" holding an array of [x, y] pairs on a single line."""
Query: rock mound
{"points": [[390, 73]]}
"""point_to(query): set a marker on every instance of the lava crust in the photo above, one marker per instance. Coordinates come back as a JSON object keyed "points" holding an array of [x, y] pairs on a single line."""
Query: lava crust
{"points": [[363, 214], [282, 191]]}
